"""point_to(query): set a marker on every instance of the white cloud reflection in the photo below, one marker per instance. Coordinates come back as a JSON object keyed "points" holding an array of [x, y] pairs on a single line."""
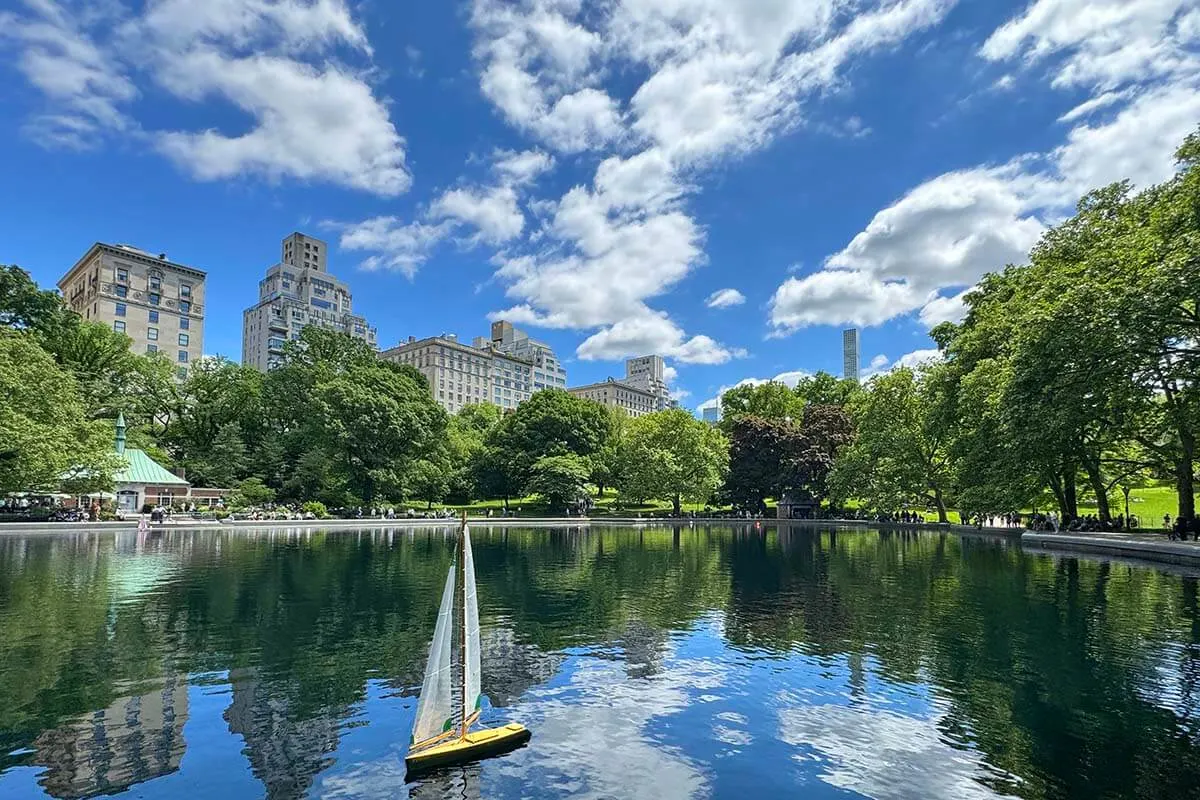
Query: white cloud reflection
{"points": [[888, 756]]}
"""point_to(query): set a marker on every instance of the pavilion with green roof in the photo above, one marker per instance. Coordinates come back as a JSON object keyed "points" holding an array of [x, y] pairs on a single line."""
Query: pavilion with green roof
{"points": [[143, 481]]}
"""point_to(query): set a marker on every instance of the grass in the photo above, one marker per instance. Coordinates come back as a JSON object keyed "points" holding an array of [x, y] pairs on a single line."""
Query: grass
{"points": [[1148, 504]]}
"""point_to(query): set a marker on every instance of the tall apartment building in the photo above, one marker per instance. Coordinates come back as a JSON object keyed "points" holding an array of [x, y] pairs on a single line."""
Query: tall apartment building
{"points": [[157, 303], [459, 375], [298, 291], [647, 373], [548, 372], [618, 394], [850, 353], [711, 414]]}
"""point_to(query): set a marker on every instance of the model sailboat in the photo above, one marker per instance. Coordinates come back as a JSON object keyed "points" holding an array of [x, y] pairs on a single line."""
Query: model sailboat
{"points": [[442, 734]]}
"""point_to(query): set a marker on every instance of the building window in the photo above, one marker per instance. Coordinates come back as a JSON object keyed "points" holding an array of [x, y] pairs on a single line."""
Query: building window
{"points": [[120, 309], [122, 275], [119, 326], [122, 291], [184, 323], [154, 298], [154, 316], [185, 290], [155, 281], [182, 356], [183, 339], [185, 307], [181, 372], [152, 334], [151, 348]]}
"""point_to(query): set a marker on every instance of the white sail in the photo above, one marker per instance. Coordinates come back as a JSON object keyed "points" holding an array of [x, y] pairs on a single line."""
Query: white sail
{"points": [[471, 681], [435, 712]]}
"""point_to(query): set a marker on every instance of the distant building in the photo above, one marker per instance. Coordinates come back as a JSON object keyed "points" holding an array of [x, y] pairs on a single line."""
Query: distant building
{"points": [[648, 374], [711, 414], [296, 292], [548, 372], [618, 394], [850, 354], [157, 303], [459, 375]]}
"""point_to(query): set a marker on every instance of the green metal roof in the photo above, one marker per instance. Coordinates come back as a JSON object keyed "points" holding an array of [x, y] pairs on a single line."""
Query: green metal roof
{"points": [[141, 468]]}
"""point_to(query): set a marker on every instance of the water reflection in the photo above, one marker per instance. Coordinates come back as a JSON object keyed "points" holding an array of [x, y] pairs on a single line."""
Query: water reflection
{"points": [[134, 739], [654, 662]]}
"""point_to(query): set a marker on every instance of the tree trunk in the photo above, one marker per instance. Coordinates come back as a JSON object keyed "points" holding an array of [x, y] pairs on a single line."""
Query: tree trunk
{"points": [[1097, 482], [505, 504], [429, 504], [1070, 502], [940, 503], [1185, 480], [675, 502]]}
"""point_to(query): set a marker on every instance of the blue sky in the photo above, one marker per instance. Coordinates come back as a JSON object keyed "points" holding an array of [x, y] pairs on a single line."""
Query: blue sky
{"points": [[727, 184]]}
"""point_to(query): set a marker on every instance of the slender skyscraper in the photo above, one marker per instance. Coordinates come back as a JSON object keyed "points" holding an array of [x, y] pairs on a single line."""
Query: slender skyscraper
{"points": [[850, 353]]}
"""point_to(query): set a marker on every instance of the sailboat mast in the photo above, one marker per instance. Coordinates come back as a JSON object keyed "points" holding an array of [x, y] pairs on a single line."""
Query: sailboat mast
{"points": [[462, 569]]}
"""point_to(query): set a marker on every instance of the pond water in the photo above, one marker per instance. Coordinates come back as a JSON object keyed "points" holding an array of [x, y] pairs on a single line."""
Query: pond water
{"points": [[731, 661]]}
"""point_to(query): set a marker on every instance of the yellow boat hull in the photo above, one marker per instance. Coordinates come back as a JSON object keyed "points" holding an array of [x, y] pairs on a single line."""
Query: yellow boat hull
{"points": [[474, 746]]}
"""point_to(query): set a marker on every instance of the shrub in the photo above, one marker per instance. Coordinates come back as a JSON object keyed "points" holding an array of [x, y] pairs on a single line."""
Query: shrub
{"points": [[316, 507]]}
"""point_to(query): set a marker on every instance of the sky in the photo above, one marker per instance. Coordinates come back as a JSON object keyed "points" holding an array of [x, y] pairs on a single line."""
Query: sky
{"points": [[727, 184]]}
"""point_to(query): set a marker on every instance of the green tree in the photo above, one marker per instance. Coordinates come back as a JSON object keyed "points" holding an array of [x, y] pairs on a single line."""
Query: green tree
{"points": [[427, 480], [671, 454], [558, 480], [45, 432], [24, 306], [769, 400], [901, 452], [252, 492], [827, 390]]}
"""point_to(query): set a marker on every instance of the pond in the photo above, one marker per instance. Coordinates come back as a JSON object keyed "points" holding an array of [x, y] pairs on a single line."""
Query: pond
{"points": [[706, 661]]}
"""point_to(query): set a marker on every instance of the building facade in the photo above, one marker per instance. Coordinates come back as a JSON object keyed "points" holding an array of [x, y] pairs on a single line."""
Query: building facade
{"points": [[460, 375], [157, 303], [548, 372], [850, 368], [298, 291], [711, 414], [648, 373], [618, 394]]}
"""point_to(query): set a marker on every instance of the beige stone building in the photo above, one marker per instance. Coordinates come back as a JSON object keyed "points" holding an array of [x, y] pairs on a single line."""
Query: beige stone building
{"points": [[298, 291], [460, 375], [648, 373], [156, 302], [619, 394], [548, 371]]}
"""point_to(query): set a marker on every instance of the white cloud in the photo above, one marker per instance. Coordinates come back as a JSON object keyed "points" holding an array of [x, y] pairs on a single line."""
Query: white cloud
{"points": [[653, 333], [518, 169], [396, 245], [310, 118], [725, 298], [493, 212], [85, 89], [944, 309], [312, 124], [840, 297], [708, 81], [924, 250], [1102, 43], [881, 364]]}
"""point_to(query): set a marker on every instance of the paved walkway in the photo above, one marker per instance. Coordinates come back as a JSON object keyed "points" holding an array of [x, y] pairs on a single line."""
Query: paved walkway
{"points": [[1154, 547]]}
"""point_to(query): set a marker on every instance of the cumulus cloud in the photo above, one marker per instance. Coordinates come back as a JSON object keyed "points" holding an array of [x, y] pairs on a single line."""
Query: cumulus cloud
{"points": [[725, 298], [653, 333], [310, 118], [923, 251]]}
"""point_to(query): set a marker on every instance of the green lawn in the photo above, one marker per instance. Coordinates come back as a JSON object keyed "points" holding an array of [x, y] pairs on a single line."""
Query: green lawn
{"points": [[1147, 504]]}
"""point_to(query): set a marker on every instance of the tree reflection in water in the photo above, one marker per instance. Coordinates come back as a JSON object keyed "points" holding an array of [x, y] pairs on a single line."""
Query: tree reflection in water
{"points": [[1047, 677]]}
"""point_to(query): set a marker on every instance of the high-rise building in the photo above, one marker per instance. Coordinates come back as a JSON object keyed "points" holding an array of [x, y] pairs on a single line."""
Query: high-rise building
{"points": [[850, 353], [711, 414], [648, 373], [157, 303], [298, 291], [618, 394], [548, 372], [459, 375]]}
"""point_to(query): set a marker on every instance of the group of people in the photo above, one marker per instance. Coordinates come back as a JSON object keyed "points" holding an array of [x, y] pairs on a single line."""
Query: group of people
{"points": [[1182, 527]]}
